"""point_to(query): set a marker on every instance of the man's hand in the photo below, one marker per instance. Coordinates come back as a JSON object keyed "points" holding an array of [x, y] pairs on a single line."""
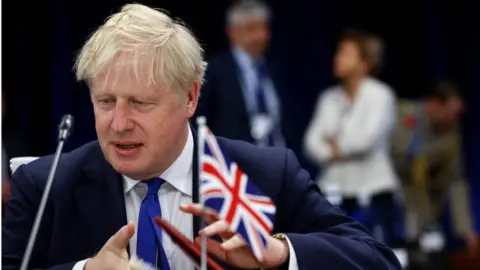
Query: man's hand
{"points": [[113, 254], [233, 250]]}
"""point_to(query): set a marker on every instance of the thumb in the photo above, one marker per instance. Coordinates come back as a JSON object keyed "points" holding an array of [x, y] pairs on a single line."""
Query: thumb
{"points": [[120, 239]]}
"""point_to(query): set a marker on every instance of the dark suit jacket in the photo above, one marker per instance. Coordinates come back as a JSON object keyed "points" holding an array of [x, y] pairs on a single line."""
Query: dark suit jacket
{"points": [[222, 100], [86, 206]]}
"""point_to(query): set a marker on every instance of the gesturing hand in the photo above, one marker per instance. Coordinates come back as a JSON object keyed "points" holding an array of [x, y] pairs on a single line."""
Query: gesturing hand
{"points": [[113, 254], [233, 250]]}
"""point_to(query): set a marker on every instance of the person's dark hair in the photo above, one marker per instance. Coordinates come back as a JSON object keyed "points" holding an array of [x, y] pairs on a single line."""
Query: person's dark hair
{"points": [[369, 45], [444, 91]]}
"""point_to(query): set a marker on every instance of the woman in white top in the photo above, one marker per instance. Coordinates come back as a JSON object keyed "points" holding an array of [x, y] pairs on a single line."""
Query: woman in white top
{"points": [[349, 133]]}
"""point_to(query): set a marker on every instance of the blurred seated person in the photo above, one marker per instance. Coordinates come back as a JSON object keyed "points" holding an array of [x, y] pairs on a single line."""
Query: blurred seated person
{"points": [[427, 153], [5, 179], [240, 97], [14, 143], [5, 166], [349, 133]]}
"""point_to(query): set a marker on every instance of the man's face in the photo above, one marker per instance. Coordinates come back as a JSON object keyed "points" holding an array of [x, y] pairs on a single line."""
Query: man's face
{"points": [[253, 35], [141, 127], [446, 113], [347, 60]]}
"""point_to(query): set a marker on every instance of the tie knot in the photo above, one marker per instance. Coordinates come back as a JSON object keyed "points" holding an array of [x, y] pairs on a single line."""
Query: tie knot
{"points": [[154, 185]]}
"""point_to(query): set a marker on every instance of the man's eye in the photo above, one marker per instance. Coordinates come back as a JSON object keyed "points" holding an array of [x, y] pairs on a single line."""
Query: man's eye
{"points": [[138, 102], [105, 101]]}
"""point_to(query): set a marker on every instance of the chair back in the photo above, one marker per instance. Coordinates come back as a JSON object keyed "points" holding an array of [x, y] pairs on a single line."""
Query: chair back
{"points": [[19, 161]]}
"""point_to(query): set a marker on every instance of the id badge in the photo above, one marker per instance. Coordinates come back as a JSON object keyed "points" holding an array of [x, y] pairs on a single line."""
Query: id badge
{"points": [[262, 125], [432, 241]]}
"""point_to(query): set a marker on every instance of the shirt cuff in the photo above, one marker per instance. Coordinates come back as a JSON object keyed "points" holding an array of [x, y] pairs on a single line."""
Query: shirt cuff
{"points": [[80, 265], [292, 264]]}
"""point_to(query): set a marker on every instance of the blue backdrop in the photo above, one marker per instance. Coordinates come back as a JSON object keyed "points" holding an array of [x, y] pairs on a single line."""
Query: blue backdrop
{"points": [[425, 41]]}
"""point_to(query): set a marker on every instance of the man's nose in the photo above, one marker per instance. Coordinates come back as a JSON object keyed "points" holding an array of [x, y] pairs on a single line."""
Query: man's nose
{"points": [[121, 118]]}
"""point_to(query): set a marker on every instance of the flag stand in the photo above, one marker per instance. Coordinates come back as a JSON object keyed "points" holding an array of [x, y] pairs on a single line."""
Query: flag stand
{"points": [[202, 129]]}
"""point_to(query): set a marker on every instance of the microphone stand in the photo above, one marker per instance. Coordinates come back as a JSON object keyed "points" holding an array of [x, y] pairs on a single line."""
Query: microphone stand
{"points": [[64, 132]]}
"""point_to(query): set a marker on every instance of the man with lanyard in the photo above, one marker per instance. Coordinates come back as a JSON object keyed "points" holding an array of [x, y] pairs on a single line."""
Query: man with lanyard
{"points": [[240, 97]]}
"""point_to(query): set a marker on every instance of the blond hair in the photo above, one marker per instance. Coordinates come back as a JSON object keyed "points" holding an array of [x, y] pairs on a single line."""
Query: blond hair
{"points": [[175, 56]]}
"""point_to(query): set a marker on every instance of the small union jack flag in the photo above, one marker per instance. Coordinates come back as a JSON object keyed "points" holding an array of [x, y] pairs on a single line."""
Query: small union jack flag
{"points": [[231, 193]]}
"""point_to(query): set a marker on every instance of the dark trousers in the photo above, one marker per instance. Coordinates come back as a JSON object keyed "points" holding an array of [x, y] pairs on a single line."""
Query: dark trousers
{"points": [[386, 211]]}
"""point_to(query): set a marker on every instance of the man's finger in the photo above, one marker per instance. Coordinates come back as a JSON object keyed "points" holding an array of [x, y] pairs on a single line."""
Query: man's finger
{"points": [[218, 227], [213, 247], [210, 217], [196, 209], [192, 208], [120, 239], [233, 243]]}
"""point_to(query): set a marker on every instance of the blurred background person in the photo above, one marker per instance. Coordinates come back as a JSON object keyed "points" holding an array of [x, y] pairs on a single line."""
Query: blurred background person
{"points": [[349, 134], [427, 153], [5, 165], [240, 97], [5, 178]]}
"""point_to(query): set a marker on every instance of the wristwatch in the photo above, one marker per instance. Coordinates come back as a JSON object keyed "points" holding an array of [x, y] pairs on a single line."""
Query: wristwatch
{"points": [[282, 237]]}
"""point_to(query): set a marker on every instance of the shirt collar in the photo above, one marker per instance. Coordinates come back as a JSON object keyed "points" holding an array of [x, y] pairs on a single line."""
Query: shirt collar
{"points": [[179, 174], [243, 59], [361, 87]]}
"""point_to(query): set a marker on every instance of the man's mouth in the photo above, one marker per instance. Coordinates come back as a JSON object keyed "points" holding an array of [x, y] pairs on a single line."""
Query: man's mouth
{"points": [[128, 146]]}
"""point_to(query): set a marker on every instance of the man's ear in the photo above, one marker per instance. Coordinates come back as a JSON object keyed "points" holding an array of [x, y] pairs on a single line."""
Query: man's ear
{"points": [[192, 98]]}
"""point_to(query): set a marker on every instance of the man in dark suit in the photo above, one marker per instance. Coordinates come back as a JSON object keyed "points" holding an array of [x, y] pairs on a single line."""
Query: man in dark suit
{"points": [[144, 164], [241, 97]]}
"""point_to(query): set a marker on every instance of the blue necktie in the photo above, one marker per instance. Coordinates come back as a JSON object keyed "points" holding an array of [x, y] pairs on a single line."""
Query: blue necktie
{"points": [[260, 95], [149, 237], [262, 74]]}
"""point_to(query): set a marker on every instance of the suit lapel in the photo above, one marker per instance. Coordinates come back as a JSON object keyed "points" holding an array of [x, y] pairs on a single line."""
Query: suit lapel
{"points": [[236, 91], [100, 200]]}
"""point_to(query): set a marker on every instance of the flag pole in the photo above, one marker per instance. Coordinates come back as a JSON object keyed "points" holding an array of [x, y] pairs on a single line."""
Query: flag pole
{"points": [[202, 131]]}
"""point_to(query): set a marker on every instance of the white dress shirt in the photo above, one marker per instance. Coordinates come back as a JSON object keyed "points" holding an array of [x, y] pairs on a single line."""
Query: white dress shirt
{"points": [[176, 190], [362, 128]]}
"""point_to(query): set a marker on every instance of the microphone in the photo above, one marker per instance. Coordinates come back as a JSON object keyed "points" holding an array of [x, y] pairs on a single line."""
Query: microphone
{"points": [[65, 129]]}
